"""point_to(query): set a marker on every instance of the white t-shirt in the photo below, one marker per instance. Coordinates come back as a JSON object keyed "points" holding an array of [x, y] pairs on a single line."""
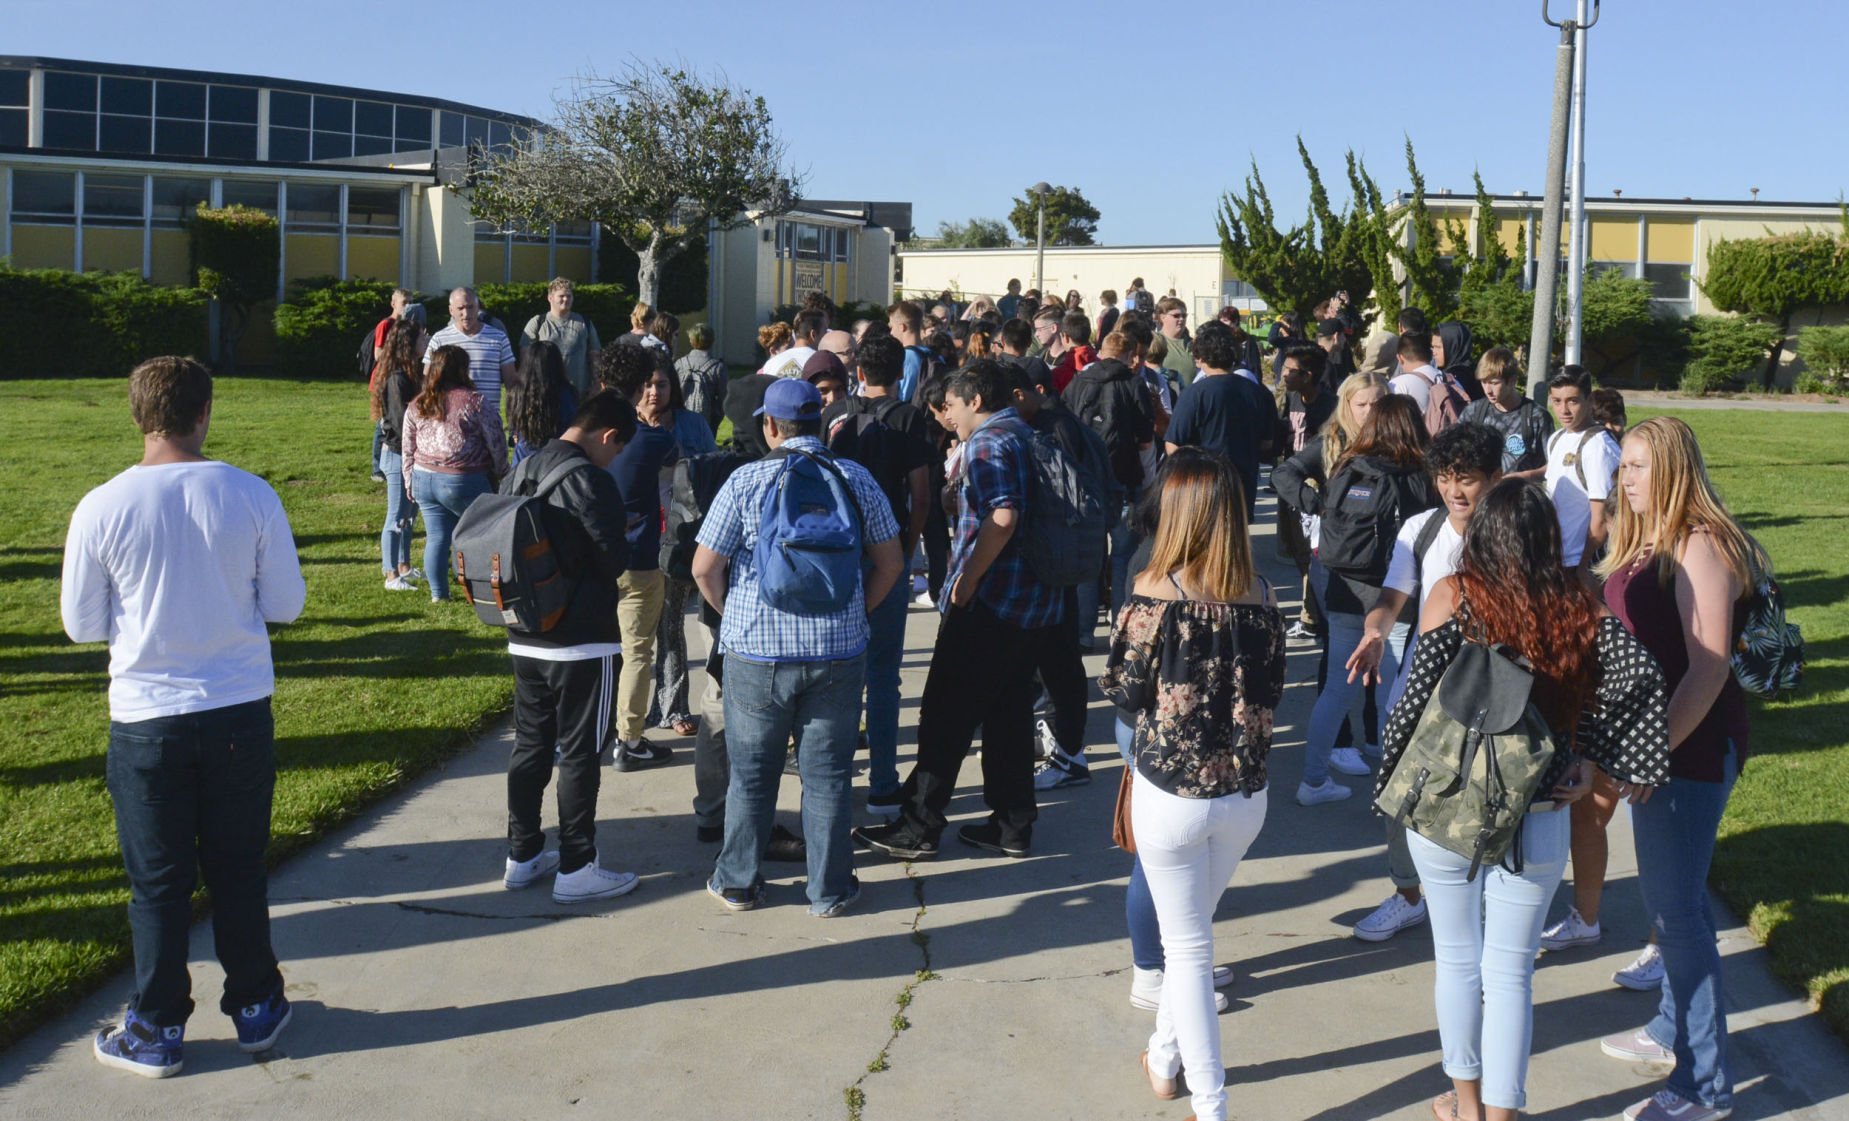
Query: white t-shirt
{"points": [[790, 363], [1594, 454], [1416, 384], [178, 567], [1440, 560]]}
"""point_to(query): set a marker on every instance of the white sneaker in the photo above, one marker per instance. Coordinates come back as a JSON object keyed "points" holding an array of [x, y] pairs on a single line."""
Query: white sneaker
{"points": [[1146, 987], [1373, 751], [415, 575], [1643, 974], [591, 882], [923, 599], [522, 873], [1044, 742], [398, 583], [1390, 918], [1347, 761], [1329, 791], [1569, 932]]}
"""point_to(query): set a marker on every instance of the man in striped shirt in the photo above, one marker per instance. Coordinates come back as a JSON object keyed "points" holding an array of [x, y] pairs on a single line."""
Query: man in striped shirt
{"points": [[491, 356]]}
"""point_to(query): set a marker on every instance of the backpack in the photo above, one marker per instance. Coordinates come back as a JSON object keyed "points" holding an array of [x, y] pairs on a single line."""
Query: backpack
{"points": [[1768, 656], [1445, 403], [1476, 758], [1364, 506], [505, 561], [866, 438], [365, 354], [808, 551], [1063, 534], [697, 479], [1579, 455], [931, 369]]}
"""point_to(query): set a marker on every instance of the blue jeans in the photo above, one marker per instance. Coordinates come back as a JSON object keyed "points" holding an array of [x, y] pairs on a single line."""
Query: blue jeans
{"points": [[442, 499], [1485, 934], [1338, 694], [192, 796], [1139, 908], [400, 512], [885, 650], [1674, 833], [1122, 543], [766, 703]]}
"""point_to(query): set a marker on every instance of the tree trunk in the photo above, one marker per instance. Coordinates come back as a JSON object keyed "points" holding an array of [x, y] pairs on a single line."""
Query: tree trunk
{"points": [[648, 269], [1770, 376]]}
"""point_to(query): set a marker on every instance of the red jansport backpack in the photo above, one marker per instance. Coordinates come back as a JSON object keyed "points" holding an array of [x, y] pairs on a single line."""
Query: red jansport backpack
{"points": [[1445, 404]]}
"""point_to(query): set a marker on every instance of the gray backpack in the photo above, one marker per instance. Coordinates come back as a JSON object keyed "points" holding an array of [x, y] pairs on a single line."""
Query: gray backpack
{"points": [[1476, 758], [505, 561], [1063, 534]]}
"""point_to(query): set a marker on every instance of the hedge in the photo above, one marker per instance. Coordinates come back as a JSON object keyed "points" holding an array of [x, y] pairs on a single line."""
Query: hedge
{"points": [[58, 323], [319, 328]]}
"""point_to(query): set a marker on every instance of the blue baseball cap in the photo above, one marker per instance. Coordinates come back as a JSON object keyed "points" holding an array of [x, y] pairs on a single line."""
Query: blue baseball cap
{"points": [[791, 399]]}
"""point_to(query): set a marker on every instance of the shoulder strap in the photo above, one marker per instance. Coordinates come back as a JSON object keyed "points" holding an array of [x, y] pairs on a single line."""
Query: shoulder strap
{"points": [[1179, 590], [551, 479], [1428, 533], [826, 461]]}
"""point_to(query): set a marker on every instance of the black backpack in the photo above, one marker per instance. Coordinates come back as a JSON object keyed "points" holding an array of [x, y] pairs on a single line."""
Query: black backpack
{"points": [[865, 437], [505, 560], [697, 479], [1063, 534], [1364, 505]]}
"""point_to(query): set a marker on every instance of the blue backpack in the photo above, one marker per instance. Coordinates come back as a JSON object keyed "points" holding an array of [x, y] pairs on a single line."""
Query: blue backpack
{"points": [[808, 551]]}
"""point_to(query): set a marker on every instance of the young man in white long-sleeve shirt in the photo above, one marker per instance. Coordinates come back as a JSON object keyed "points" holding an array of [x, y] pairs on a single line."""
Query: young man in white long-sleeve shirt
{"points": [[179, 563]]}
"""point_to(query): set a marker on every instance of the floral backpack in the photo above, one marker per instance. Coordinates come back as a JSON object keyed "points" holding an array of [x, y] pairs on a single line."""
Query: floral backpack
{"points": [[1768, 655]]}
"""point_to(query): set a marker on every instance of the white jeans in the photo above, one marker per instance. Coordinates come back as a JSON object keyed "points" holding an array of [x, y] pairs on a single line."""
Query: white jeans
{"points": [[1189, 848]]}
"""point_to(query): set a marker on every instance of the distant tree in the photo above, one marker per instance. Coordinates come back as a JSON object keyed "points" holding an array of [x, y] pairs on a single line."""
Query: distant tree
{"points": [[977, 233], [1724, 350], [1432, 283], [1490, 296], [1070, 220], [1615, 317], [1770, 278], [652, 155], [236, 253]]}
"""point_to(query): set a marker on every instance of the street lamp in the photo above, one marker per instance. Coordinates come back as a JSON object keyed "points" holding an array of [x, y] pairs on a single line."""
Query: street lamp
{"points": [[1040, 191]]}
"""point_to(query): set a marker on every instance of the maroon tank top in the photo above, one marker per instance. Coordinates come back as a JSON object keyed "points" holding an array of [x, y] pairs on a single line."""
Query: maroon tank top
{"points": [[1648, 610]]}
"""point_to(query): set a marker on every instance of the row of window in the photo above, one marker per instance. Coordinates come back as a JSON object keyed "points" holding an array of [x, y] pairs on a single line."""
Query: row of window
{"points": [[50, 198], [565, 233], [805, 241]]}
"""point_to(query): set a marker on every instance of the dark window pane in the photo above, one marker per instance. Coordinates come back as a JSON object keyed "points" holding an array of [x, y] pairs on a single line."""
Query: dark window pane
{"points": [[289, 145], [374, 207], [179, 138], [15, 87], [333, 145], [44, 192], [474, 131], [175, 200], [1668, 282], [452, 129], [333, 114], [231, 142], [288, 109], [184, 101], [245, 192], [372, 118], [236, 104], [74, 131], [131, 97], [13, 127], [574, 232], [314, 204], [69, 91], [413, 127], [499, 135], [364, 145], [112, 200], [126, 134]]}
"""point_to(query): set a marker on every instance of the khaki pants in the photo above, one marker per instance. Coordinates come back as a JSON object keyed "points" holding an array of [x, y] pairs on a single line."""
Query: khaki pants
{"points": [[638, 614]]}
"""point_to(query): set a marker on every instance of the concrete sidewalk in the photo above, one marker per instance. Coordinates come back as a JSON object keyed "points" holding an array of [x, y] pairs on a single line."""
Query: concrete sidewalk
{"points": [[970, 987]]}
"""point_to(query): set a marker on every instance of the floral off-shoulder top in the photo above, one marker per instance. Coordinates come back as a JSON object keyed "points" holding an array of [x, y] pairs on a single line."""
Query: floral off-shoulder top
{"points": [[1203, 680]]}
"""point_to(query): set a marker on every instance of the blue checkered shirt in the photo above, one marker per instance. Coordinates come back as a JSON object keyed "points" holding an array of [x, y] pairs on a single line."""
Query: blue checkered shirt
{"points": [[998, 474], [751, 628]]}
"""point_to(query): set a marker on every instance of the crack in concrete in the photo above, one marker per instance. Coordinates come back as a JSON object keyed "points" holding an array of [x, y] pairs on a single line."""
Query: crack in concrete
{"points": [[856, 1095], [449, 912], [1034, 980]]}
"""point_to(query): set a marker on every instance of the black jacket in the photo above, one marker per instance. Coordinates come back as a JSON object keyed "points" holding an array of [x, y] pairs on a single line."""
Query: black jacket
{"points": [[1111, 400], [585, 520], [1292, 479]]}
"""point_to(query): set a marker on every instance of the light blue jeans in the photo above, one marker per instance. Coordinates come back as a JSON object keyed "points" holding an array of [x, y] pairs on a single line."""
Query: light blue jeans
{"points": [[885, 651], [1338, 694], [1674, 833], [765, 704], [400, 513], [1485, 934], [1139, 908], [442, 499]]}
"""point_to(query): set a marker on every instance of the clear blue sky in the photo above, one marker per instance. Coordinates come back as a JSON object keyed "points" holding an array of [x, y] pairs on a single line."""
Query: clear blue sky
{"points": [[1151, 109]]}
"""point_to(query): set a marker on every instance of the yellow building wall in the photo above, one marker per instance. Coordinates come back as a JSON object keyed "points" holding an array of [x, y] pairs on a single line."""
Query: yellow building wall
{"points": [[111, 250], [490, 262], [1613, 239], [44, 247], [1511, 232], [307, 255], [530, 263], [1670, 241], [372, 258], [574, 263], [171, 257]]}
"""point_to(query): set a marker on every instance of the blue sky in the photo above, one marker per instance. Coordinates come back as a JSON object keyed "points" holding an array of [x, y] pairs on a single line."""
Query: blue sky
{"points": [[1150, 109]]}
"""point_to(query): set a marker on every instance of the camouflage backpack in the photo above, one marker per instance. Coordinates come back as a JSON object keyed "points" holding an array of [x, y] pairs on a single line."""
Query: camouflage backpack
{"points": [[1475, 759]]}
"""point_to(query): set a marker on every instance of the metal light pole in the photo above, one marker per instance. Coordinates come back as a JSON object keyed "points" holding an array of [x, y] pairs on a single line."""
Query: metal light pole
{"points": [[1040, 191], [1576, 251]]}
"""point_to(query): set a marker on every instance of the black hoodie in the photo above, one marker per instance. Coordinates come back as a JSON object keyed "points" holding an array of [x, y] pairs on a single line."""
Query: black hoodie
{"points": [[1109, 398], [1457, 339]]}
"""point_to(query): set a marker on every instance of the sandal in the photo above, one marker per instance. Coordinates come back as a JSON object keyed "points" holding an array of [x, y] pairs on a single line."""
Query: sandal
{"points": [[685, 726], [1444, 1107], [1165, 1089]]}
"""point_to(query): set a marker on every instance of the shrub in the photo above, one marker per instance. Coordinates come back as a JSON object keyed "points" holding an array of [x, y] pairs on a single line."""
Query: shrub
{"points": [[1809, 381], [236, 252], [66, 324], [607, 306], [1725, 350], [1825, 351]]}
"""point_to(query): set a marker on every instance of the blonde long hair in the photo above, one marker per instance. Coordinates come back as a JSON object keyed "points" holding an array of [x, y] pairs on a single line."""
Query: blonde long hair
{"points": [[1341, 429], [1682, 501], [1203, 535]]}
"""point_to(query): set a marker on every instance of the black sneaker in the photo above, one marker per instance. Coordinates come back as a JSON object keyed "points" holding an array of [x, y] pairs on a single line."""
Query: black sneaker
{"points": [[988, 835], [639, 755], [736, 898], [709, 834], [785, 847], [896, 841]]}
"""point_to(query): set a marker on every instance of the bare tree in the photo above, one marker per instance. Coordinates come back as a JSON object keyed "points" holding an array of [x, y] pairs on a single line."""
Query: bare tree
{"points": [[651, 155]]}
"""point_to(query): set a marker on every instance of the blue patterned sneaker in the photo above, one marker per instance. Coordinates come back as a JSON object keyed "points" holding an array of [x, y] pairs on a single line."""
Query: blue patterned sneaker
{"points": [[141, 1048], [260, 1024]]}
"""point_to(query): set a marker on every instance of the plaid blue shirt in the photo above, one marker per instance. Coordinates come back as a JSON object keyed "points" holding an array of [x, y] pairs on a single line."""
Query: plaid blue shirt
{"points": [[754, 630], [998, 474]]}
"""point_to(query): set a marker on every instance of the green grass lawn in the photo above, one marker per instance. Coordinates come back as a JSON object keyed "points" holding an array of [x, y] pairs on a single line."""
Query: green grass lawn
{"points": [[376, 686]]}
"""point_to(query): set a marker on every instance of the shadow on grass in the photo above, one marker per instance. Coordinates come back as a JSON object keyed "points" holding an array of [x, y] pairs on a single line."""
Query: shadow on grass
{"points": [[1795, 879]]}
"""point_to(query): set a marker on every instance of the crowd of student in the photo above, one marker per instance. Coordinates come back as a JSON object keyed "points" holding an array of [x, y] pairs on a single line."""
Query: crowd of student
{"points": [[1035, 464]]}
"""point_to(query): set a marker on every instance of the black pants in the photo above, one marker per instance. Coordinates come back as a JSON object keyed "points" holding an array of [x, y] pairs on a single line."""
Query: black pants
{"points": [[1062, 671], [982, 676], [192, 796], [568, 704]]}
